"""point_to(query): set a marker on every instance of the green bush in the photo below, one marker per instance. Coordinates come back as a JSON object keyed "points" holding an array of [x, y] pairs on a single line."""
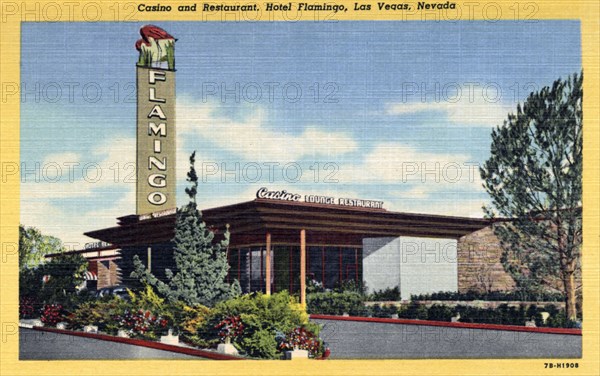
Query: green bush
{"points": [[336, 303], [414, 311], [263, 318], [101, 313], [351, 285], [503, 315], [260, 343], [389, 294], [440, 312], [491, 296], [65, 275], [383, 311]]}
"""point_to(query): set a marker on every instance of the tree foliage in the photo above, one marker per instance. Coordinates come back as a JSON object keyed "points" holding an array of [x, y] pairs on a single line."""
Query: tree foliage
{"points": [[34, 246], [201, 261], [534, 177], [63, 275]]}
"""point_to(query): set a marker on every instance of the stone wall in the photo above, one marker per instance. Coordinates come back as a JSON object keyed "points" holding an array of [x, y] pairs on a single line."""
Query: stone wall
{"points": [[479, 266]]}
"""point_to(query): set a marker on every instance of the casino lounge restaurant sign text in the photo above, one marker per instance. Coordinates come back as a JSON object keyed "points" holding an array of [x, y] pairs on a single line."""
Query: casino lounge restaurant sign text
{"points": [[283, 195]]}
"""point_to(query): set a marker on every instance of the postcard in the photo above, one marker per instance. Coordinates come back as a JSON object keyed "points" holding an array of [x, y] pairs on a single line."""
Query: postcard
{"points": [[299, 187]]}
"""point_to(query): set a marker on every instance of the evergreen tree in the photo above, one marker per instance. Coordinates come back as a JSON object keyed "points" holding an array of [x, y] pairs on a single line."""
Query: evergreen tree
{"points": [[200, 261], [534, 177]]}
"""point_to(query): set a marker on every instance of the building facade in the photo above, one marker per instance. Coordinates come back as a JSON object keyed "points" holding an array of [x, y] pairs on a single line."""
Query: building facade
{"points": [[278, 245]]}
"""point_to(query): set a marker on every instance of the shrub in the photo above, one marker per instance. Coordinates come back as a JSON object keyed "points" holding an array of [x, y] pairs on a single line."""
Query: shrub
{"points": [[52, 314], [100, 312], [26, 308], [230, 328], [350, 285], [188, 321], [302, 339], [491, 296], [413, 311], [383, 311], [263, 317], [66, 273], [336, 303], [503, 315], [185, 318], [260, 343], [313, 286], [389, 294], [142, 324], [440, 312]]}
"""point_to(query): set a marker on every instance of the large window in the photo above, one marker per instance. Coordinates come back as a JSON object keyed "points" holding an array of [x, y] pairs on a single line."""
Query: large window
{"points": [[326, 264]]}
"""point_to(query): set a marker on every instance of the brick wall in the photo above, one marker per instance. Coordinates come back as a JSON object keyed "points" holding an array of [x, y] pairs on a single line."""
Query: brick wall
{"points": [[108, 274], [479, 266]]}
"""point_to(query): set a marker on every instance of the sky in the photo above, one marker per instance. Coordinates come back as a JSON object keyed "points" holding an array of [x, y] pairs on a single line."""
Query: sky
{"points": [[400, 112]]}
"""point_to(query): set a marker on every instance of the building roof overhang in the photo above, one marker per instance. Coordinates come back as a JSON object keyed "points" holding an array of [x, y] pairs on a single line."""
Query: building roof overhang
{"points": [[286, 217]]}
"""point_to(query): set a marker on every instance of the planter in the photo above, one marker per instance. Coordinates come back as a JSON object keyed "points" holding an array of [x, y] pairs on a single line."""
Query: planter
{"points": [[296, 354], [90, 329], [122, 333], [227, 348], [170, 339], [30, 323]]}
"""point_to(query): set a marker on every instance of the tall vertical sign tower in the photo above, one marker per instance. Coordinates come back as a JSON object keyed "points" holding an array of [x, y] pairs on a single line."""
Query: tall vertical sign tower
{"points": [[155, 189]]}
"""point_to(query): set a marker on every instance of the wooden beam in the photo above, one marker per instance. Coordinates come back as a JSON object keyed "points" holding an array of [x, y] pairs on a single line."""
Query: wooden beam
{"points": [[303, 267], [268, 266]]}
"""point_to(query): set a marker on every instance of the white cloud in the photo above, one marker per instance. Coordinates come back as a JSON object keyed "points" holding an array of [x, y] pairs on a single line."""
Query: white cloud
{"points": [[62, 159], [107, 166], [394, 162], [252, 140], [54, 221], [475, 109], [72, 175], [460, 205]]}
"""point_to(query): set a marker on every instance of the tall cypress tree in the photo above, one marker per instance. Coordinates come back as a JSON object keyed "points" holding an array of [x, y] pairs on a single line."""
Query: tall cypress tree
{"points": [[201, 262]]}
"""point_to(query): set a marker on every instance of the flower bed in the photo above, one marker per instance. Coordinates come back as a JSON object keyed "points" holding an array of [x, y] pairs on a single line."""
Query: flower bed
{"points": [[253, 323]]}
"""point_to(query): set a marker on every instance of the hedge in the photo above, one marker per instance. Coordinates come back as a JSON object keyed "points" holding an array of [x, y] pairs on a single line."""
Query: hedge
{"points": [[491, 296]]}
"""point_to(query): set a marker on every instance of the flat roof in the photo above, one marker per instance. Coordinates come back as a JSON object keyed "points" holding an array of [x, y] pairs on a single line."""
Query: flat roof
{"points": [[250, 220]]}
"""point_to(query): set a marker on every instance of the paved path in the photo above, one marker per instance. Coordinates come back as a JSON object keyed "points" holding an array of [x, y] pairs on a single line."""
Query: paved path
{"points": [[39, 345], [370, 340]]}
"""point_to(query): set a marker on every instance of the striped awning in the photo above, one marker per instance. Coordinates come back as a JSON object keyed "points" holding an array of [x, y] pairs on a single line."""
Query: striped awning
{"points": [[90, 276]]}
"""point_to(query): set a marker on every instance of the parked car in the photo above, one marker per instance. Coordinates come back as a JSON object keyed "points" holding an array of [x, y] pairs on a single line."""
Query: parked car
{"points": [[118, 291]]}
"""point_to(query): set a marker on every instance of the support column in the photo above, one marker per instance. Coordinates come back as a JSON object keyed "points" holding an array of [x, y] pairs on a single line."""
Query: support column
{"points": [[303, 267], [149, 259], [268, 266]]}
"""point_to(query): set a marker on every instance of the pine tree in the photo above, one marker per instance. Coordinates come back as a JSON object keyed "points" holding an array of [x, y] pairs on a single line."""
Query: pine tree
{"points": [[534, 177], [201, 262]]}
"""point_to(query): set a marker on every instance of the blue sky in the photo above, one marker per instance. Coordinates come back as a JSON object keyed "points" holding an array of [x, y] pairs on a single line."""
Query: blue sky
{"points": [[404, 110]]}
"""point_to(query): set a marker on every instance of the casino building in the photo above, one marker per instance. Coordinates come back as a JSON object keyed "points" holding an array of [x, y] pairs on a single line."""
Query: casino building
{"points": [[278, 240]]}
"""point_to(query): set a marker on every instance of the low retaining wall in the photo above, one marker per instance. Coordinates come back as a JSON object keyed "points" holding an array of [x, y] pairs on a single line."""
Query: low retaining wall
{"points": [[72, 347], [374, 338]]}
